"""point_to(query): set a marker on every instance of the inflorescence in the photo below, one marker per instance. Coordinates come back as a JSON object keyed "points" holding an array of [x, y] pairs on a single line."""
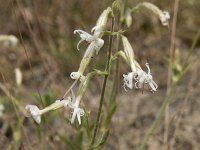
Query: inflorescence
{"points": [[96, 42]]}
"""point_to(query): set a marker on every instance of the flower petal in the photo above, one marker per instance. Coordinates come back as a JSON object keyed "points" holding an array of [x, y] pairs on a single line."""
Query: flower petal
{"points": [[35, 112], [164, 18], [128, 80], [77, 75], [98, 44]]}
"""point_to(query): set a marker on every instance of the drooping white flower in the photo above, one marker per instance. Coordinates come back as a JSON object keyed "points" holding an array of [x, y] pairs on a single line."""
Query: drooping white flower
{"points": [[91, 38], [163, 15], [164, 18], [78, 112], [34, 112], [142, 77]]}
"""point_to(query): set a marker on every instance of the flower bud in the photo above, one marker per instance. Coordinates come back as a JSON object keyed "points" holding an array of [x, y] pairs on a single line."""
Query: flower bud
{"points": [[102, 20]]}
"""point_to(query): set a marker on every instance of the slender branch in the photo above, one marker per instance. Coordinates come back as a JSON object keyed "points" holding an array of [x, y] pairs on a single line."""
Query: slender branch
{"points": [[158, 118], [69, 89], [170, 71], [15, 105], [104, 84]]}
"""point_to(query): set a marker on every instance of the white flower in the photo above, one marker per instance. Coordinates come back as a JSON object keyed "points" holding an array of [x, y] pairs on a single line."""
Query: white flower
{"points": [[163, 15], [77, 75], [141, 77], [73, 103], [91, 38], [35, 112], [164, 18], [78, 112]]}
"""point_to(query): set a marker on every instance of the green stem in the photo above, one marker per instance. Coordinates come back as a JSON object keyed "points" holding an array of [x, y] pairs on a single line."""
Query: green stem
{"points": [[104, 84]]}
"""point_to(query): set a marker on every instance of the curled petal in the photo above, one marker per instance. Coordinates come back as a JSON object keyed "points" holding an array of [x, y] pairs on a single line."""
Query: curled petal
{"points": [[147, 65], [77, 75], [79, 44], [138, 85], [84, 37]]}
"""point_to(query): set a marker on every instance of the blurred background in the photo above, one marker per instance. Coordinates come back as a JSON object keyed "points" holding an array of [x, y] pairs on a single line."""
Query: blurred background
{"points": [[46, 54]]}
